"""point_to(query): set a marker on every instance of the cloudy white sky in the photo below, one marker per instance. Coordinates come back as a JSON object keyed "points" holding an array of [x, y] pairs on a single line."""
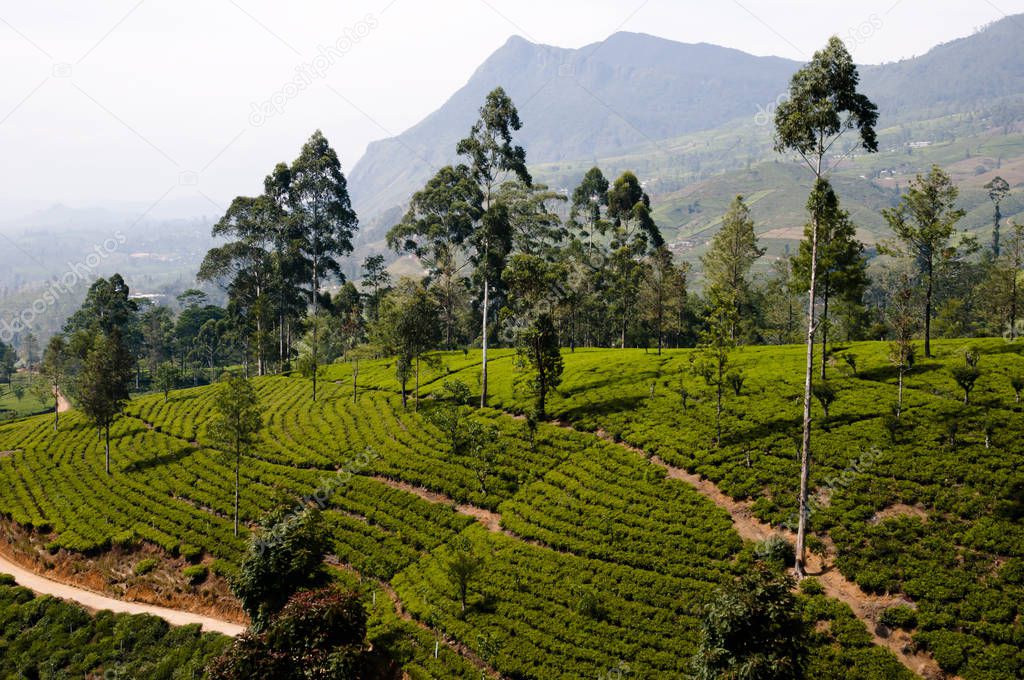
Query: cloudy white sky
{"points": [[146, 101]]}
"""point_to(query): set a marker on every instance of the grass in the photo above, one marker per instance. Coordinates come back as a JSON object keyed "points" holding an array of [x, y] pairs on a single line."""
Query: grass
{"points": [[29, 403]]}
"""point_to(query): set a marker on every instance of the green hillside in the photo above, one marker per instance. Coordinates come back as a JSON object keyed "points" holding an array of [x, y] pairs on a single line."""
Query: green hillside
{"points": [[602, 560], [692, 179]]}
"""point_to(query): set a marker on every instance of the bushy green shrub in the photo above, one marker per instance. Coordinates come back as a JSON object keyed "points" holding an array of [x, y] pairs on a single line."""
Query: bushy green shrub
{"points": [[144, 566], [191, 553], [195, 574], [811, 586], [900, 616]]}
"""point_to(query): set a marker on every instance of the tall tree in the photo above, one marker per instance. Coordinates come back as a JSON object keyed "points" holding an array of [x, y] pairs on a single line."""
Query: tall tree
{"points": [[436, 229], [55, 368], [377, 278], [408, 330], [634, 234], [539, 350], [823, 105], [589, 201], [664, 291], [244, 267], [728, 261], [716, 343], [324, 219], [103, 384], [237, 419], [1013, 262], [842, 267], [903, 322], [493, 157], [107, 306], [29, 351], [924, 223], [998, 189]]}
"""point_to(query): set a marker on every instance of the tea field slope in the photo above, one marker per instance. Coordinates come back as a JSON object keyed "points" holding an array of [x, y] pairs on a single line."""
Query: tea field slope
{"points": [[602, 561]]}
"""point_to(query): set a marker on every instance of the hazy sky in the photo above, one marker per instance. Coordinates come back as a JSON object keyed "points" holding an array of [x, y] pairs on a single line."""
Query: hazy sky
{"points": [[170, 102]]}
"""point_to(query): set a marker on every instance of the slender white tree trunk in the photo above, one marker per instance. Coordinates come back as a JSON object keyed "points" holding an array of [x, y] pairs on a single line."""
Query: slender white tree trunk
{"points": [[483, 370]]}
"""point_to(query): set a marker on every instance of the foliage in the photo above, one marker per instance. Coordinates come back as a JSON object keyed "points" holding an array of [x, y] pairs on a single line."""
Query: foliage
{"points": [[284, 557], [48, 637], [318, 635], [752, 629]]}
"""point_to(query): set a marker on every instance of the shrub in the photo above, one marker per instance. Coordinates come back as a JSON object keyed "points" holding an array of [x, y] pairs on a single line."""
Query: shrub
{"points": [[143, 567], [811, 585], [775, 551], [900, 616], [1017, 383], [735, 380], [191, 553], [966, 377], [195, 574], [7, 580]]}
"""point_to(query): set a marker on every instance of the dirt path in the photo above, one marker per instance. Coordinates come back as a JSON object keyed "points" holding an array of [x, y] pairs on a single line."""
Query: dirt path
{"points": [[96, 602], [63, 405], [866, 607], [490, 519]]}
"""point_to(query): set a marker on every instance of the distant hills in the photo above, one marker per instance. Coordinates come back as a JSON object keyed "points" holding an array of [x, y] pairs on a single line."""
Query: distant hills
{"points": [[692, 119]]}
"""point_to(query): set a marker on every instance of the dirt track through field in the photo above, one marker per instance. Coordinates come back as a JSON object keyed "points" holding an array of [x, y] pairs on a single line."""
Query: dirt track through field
{"points": [[866, 607], [96, 602]]}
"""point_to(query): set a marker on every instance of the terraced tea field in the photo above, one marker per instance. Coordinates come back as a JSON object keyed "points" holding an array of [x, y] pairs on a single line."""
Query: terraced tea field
{"points": [[595, 560]]}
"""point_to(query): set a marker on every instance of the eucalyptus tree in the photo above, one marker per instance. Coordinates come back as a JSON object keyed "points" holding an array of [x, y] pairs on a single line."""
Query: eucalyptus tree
{"points": [[634, 234], [823, 105], [407, 329], [492, 158], [103, 384], [244, 270], [842, 267], [728, 261], [437, 228], [587, 254], [663, 294], [535, 224], [55, 368], [997, 189], [589, 206], [924, 223], [237, 420], [376, 277], [323, 219]]}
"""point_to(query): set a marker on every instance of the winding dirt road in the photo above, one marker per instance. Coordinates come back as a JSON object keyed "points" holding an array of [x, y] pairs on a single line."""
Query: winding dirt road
{"points": [[96, 602]]}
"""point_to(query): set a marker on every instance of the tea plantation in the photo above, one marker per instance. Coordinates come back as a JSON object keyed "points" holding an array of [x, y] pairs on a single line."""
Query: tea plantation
{"points": [[602, 563]]}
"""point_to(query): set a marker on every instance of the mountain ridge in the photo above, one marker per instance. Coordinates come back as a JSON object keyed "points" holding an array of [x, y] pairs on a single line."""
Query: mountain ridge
{"points": [[633, 90]]}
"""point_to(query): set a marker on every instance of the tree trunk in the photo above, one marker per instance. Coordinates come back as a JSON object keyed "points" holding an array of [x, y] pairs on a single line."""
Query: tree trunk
{"points": [[107, 448], [1013, 305], [56, 408], [805, 448], [355, 381], [928, 313], [238, 464], [824, 332], [718, 408], [899, 398], [483, 369]]}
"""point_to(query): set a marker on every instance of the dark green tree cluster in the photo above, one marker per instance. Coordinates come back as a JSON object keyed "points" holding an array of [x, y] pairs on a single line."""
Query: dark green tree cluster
{"points": [[283, 247]]}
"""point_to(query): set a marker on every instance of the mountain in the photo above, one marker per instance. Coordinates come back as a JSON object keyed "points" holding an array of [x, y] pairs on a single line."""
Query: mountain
{"points": [[633, 95], [575, 104]]}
